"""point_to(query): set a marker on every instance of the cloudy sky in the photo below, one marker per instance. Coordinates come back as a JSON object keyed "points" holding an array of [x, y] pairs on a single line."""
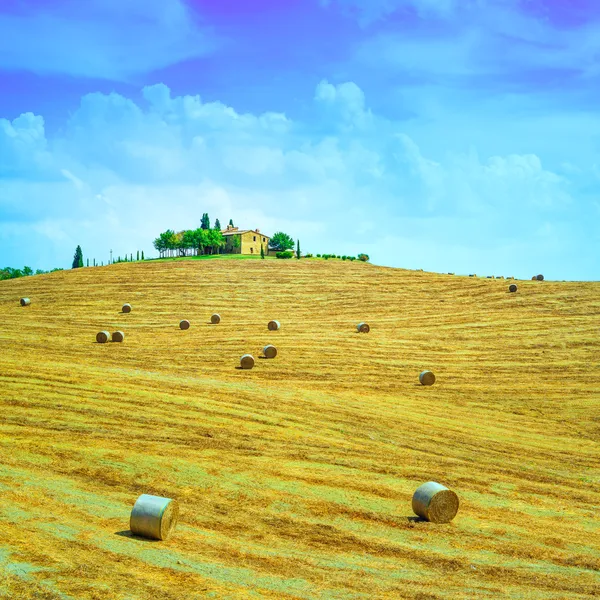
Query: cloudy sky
{"points": [[448, 135]]}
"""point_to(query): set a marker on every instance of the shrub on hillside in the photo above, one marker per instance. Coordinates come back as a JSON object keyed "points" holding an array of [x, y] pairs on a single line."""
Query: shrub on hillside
{"points": [[284, 254], [363, 257], [318, 256], [344, 257]]}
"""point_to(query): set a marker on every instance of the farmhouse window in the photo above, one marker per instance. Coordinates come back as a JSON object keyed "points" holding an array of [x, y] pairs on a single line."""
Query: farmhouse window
{"points": [[254, 238]]}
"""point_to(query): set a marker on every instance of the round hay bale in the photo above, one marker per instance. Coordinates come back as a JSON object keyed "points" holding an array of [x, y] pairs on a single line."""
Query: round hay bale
{"points": [[25, 301], [427, 378], [154, 517], [534, 278], [102, 337], [540, 277], [273, 325], [118, 336], [435, 502], [512, 287], [247, 361], [363, 328], [126, 308], [214, 319], [184, 324], [472, 275], [270, 351]]}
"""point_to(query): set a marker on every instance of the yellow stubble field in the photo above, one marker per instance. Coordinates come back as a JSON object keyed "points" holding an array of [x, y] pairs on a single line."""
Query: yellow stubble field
{"points": [[295, 478]]}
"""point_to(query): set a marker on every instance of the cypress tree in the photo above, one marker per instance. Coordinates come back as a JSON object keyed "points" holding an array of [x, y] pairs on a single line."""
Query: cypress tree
{"points": [[142, 255], [231, 222], [262, 251], [218, 224], [131, 257], [78, 258], [88, 263], [205, 223], [298, 250], [138, 255]]}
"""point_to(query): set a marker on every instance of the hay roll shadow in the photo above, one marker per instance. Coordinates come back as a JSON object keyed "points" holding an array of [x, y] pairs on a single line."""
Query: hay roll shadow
{"points": [[427, 378], [435, 502], [154, 517]]}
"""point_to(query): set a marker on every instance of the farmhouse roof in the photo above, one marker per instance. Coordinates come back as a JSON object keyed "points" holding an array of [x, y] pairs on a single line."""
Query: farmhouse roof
{"points": [[240, 231]]}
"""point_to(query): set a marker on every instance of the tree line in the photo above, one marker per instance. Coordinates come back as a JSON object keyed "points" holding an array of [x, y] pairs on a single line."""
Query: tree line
{"points": [[203, 240], [10, 273]]}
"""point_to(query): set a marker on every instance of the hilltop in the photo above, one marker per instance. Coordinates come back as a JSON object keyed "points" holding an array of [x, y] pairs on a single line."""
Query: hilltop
{"points": [[295, 478]]}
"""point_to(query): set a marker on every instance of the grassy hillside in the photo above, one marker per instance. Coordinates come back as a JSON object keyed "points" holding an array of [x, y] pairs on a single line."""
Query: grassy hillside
{"points": [[295, 478]]}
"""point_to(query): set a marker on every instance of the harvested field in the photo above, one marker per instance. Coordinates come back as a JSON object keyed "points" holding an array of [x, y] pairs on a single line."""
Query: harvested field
{"points": [[295, 479]]}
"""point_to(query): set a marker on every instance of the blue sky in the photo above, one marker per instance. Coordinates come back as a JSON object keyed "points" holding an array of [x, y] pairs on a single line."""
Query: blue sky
{"points": [[450, 136]]}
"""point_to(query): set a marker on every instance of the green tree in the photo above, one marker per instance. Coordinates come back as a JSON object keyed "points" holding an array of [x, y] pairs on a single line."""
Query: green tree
{"points": [[77, 258], [165, 242], [217, 224], [231, 222], [138, 255], [142, 255], [281, 242], [216, 240], [94, 262], [27, 271], [298, 250], [88, 262], [131, 257], [262, 251], [205, 223], [200, 240], [188, 240], [126, 258]]}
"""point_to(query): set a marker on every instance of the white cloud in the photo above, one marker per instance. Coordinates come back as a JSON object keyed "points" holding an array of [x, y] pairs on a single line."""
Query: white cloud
{"points": [[106, 39], [345, 103], [23, 146], [370, 11], [491, 38], [121, 173]]}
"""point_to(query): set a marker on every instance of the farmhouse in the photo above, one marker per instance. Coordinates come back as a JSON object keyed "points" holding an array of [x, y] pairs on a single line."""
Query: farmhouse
{"points": [[244, 241]]}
